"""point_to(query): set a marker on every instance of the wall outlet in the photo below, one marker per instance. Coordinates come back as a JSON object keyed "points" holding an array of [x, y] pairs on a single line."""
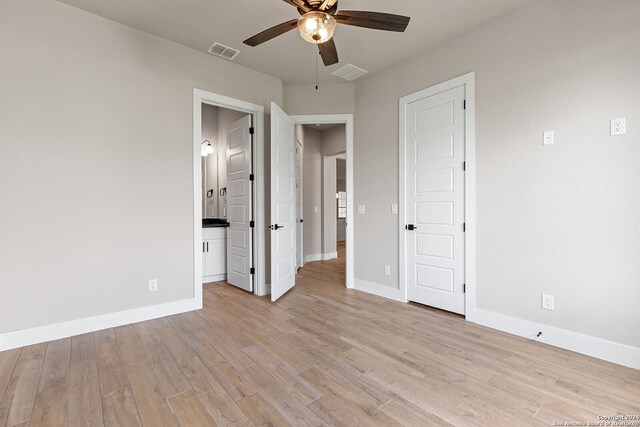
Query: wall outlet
{"points": [[547, 302], [547, 137], [153, 285], [387, 270], [361, 209], [394, 209], [618, 126]]}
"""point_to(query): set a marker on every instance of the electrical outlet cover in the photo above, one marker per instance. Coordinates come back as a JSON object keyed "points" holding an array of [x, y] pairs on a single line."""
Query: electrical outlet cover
{"points": [[619, 126], [547, 302]]}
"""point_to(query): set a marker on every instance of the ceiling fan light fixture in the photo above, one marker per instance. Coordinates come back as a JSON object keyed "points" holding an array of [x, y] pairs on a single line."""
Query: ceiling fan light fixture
{"points": [[316, 27]]}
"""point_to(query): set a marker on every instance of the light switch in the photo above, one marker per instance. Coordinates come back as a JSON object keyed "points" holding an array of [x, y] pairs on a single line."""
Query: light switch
{"points": [[315, 209], [361, 209], [394, 209], [547, 138]]}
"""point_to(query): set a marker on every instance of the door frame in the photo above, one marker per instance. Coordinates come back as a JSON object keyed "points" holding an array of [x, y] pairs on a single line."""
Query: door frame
{"points": [[257, 111], [468, 81], [347, 120]]}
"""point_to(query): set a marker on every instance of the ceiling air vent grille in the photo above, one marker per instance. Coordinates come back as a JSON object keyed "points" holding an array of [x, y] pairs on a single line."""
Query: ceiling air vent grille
{"points": [[223, 51], [349, 72]]}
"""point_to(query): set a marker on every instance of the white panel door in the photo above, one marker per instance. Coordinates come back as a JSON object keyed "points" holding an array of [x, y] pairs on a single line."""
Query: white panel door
{"points": [[239, 209], [283, 203], [299, 219], [435, 154]]}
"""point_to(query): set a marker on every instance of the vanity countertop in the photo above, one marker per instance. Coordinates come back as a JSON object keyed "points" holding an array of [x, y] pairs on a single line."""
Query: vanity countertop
{"points": [[214, 222]]}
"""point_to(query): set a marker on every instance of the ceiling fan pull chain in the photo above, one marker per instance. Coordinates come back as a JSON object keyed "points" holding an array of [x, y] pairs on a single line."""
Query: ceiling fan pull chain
{"points": [[317, 70]]}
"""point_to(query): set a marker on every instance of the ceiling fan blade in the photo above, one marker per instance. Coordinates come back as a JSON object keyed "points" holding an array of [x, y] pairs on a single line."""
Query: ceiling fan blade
{"points": [[272, 32], [328, 52], [375, 20], [301, 4]]}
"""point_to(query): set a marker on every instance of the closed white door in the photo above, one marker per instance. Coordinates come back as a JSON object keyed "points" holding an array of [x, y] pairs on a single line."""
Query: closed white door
{"points": [[299, 219], [239, 209], [434, 211], [283, 203]]}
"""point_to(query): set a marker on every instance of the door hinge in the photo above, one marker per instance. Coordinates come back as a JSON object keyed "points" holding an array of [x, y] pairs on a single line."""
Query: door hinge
{"points": [[464, 104], [252, 177], [464, 288], [251, 130], [252, 224], [464, 227], [252, 270], [464, 166]]}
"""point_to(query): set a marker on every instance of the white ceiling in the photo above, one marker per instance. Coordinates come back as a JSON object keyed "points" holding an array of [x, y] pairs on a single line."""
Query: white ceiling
{"points": [[199, 23]]}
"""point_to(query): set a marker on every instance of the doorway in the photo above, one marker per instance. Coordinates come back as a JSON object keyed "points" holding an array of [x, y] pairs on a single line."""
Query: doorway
{"points": [[234, 197], [437, 190], [325, 211]]}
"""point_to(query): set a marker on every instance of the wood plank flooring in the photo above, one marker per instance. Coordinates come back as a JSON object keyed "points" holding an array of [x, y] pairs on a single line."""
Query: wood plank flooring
{"points": [[321, 356]]}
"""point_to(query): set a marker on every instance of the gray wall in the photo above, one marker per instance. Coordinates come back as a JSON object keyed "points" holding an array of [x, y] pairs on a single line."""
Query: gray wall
{"points": [[337, 98], [96, 162], [560, 219], [312, 185], [334, 140]]}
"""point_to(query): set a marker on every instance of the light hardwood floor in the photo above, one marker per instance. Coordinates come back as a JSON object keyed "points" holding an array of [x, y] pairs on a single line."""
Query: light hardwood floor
{"points": [[322, 355]]}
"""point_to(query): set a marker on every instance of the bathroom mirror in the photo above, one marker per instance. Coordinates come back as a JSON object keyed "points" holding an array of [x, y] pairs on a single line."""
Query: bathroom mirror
{"points": [[210, 190]]}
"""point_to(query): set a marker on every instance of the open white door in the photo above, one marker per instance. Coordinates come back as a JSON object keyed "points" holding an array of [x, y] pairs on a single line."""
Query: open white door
{"points": [[239, 209], [283, 203], [299, 208]]}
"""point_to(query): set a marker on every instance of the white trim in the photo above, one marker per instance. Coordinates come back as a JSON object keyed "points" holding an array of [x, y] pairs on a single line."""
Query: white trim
{"points": [[60, 330], [380, 290], [574, 341], [313, 258], [347, 119], [214, 278], [468, 81], [330, 255], [257, 111]]}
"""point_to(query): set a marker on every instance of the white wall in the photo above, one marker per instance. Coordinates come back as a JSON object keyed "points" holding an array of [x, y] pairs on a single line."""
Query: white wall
{"points": [[96, 162], [558, 219], [337, 98]]}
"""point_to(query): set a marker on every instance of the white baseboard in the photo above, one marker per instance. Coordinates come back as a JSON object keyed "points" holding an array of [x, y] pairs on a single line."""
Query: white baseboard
{"points": [[56, 331], [574, 341], [264, 291], [379, 290], [330, 255], [312, 258], [214, 278]]}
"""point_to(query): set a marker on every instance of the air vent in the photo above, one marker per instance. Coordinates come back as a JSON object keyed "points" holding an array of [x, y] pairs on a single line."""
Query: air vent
{"points": [[223, 51], [349, 72]]}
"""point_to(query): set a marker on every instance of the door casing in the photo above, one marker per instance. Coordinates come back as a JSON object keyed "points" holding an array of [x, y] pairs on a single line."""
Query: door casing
{"points": [[468, 81], [257, 111]]}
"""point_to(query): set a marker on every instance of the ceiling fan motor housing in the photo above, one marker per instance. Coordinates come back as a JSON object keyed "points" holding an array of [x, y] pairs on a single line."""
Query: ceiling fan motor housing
{"points": [[316, 27]]}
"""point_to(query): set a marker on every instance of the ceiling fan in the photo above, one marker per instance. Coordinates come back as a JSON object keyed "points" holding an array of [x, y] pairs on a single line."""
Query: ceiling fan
{"points": [[318, 22]]}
